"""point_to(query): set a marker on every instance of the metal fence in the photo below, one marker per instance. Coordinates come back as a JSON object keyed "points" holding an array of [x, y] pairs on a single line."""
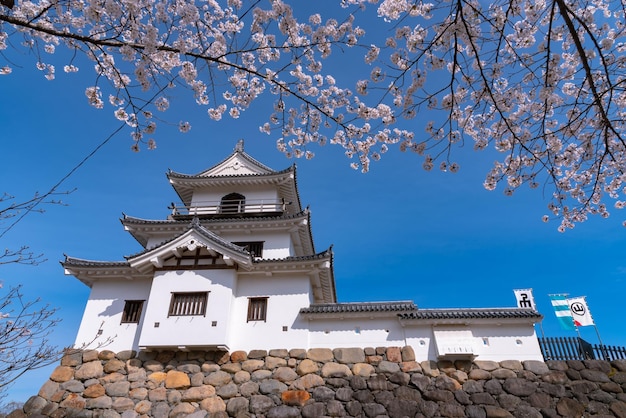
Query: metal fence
{"points": [[573, 348]]}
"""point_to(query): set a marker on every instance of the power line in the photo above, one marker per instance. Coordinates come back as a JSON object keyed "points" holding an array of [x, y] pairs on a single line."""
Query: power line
{"points": [[53, 189]]}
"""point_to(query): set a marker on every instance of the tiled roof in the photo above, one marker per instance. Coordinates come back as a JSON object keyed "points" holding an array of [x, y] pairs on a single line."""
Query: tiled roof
{"points": [[471, 313], [360, 307], [140, 221], [195, 225], [319, 256], [135, 225], [79, 262]]}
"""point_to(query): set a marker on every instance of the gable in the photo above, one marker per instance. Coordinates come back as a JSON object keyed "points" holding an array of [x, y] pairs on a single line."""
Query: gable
{"points": [[237, 164], [195, 246], [197, 259]]}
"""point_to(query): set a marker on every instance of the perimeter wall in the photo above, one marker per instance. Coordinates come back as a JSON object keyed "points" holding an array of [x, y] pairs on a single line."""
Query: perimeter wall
{"points": [[350, 382]]}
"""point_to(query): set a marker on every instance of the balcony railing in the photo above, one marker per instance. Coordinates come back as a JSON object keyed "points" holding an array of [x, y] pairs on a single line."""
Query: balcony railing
{"points": [[230, 207], [571, 348]]}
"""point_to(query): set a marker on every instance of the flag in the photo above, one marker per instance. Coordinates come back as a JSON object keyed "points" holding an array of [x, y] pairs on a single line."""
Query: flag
{"points": [[562, 311], [580, 312], [525, 298]]}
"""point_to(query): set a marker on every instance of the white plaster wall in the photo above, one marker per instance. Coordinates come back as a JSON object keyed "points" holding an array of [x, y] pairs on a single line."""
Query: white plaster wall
{"points": [[253, 194], [503, 342], [104, 311], [157, 239], [188, 330], [287, 294], [356, 332], [506, 342], [275, 245]]}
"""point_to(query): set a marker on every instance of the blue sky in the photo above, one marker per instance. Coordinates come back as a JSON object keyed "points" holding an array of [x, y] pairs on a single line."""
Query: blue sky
{"points": [[398, 232]]}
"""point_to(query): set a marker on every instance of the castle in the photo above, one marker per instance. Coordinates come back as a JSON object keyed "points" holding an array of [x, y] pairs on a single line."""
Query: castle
{"points": [[234, 267]]}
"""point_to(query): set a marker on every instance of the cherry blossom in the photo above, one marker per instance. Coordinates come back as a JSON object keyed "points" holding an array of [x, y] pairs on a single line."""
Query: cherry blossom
{"points": [[539, 82]]}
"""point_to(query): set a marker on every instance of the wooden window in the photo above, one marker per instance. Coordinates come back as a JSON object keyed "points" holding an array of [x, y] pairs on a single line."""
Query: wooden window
{"points": [[132, 311], [254, 247], [188, 303], [233, 203], [257, 309]]}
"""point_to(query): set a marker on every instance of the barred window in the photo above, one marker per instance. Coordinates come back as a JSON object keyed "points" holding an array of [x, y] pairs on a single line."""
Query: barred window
{"points": [[132, 311], [254, 247], [188, 303], [257, 309]]}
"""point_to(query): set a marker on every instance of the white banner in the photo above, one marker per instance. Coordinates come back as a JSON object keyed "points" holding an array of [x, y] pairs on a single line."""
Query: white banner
{"points": [[525, 298], [580, 311]]}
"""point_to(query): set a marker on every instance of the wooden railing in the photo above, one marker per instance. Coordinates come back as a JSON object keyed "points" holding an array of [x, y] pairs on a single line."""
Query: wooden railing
{"points": [[573, 348], [230, 207]]}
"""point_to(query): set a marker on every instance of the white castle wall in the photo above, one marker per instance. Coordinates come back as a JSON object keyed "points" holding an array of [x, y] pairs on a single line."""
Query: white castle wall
{"points": [[103, 314], [286, 296], [211, 329]]}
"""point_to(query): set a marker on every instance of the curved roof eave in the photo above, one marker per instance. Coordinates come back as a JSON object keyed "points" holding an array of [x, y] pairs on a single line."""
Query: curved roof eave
{"points": [[90, 271], [196, 235], [141, 229], [184, 184], [470, 316], [357, 310]]}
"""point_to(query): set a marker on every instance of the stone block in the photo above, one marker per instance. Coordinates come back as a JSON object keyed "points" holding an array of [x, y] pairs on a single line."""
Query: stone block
{"points": [[143, 407], [568, 407], [252, 365], [273, 362], [487, 365], [260, 404], [62, 374], [241, 377], [49, 389], [103, 355], [388, 367], [536, 367], [238, 356], [408, 354], [217, 378], [321, 355], [120, 389], [177, 380], [73, 401], [72, 358], [213, 405], [115, 365], [231, 368], [34, 404], [298, 353], [237, 406], [92, 369], [101, 402], [349, 355], [257, 354], [306, 366], [295, 397], [363, 369], [90, 355], [271, 386], [308, 381], [394, 354], [503, 374], [280, 352], [285, 374], [515, 365], [197, 394], [335, 370], [228, 391]]}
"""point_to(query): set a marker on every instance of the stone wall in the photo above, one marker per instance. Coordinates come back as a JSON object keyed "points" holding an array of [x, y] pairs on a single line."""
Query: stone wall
{"points": [[381, 382]]}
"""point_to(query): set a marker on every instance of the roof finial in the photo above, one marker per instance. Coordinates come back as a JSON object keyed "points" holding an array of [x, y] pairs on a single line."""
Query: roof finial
{"points": [[239, 147]]}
